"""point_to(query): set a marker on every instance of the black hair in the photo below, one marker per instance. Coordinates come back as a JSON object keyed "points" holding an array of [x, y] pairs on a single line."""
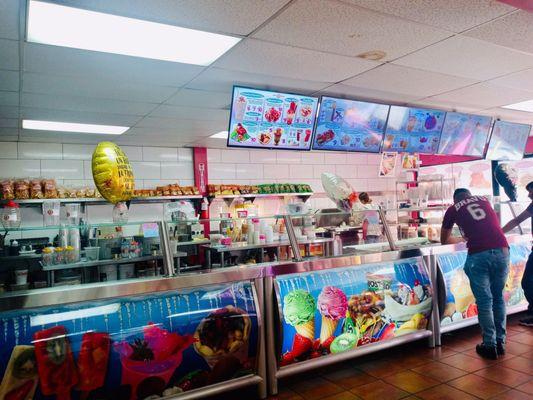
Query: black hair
{"points": [[461, 193], [363, 196], [529, 186]]}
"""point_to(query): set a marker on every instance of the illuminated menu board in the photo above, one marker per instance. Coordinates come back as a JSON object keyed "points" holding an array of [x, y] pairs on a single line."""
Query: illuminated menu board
{"points": [[464, 134], [413, 130], [508, 141], [265, 119], [350, 125]]}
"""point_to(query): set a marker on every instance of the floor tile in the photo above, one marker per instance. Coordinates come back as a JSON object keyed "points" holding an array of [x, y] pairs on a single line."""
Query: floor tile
{"points": [[379, 390], [513, 395], [506, 376], [316, 388], [524, 338], [478, 386], [519, 363], [439, 371], [411, 381], [349, 378], [466, 363], [526, 387], [381, 368], [286, 394], [517, 348], [459, 345], [342, 396], [444, 392], [441, 352]]}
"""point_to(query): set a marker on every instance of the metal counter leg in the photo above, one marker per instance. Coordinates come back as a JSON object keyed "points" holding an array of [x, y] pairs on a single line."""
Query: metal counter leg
{"points": [[221, 259], [271, 361], [435, 339], [208, 258], [261, 369]]}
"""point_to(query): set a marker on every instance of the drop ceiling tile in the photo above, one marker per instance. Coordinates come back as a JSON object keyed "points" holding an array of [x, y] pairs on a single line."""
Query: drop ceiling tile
{"points": [[366, 94], [342, 28], [177, 124], [8, 138], [9, 123], [77, 103], [94, 86], [430, 102], [9, 54], [509, 115], [215, 16], [409, 81], [9, 19], [451, 15], [222, 80], [201, 98], [290, 62], [514, 31], [519, 80], [72, 62], [9, 98], [9, 80], [198, 113], [483, 95], [77, 116], [468, 58]]}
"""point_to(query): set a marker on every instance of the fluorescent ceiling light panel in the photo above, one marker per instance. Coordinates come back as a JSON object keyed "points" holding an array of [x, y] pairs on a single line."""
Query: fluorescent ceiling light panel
{"points": [[71, 127], [88, 30], [522, 106], [220, 135]]}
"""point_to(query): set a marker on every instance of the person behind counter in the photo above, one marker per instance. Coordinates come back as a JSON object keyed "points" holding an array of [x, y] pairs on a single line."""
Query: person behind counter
{"points": [[486, 266], [371, 227], [527, 278]]}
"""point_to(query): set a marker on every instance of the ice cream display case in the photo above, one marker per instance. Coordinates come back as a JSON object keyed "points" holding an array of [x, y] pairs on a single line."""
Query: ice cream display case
{"points": [[334, 309], [185, 337], [457, 305]]}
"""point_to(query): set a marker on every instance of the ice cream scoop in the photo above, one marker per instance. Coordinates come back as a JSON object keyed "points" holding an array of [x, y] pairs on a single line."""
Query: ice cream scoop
{"points": [[298, 307]]}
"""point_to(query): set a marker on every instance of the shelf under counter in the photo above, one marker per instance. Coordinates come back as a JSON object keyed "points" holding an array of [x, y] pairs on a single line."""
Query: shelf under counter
{"points": [[96, 263]]}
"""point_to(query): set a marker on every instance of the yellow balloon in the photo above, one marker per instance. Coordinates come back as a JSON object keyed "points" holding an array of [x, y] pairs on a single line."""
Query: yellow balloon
{"points": [[112, 173]]}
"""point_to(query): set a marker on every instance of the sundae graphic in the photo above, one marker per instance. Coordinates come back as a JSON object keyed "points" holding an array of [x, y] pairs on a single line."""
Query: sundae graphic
{"points": [[332, 304], [20, 378], [239, 133], [290, 113], [156, 355], [223, 335], [430, 122], [277, 135], [272, 115], [299, 311]]}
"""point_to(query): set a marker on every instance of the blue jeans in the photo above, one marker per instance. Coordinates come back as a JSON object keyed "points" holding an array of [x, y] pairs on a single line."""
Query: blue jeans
{"points": [[527, 283], [487, 272]]}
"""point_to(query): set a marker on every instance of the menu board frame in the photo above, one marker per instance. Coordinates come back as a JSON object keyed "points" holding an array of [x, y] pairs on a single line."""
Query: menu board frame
{"points": [[451, 113], [522, 152], [348, 150], [408, 149], [270, 146]]}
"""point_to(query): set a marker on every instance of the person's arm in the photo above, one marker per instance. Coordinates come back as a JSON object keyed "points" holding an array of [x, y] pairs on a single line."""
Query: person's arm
{"points": [[509, 226], [446, 229]]}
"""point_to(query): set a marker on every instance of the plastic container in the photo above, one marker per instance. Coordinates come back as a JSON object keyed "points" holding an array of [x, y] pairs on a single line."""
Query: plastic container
{"points": [[51, 213], [21, 276], [92, 253], [11, 215], [126, 271], [73, 213], [59, 255], [48, 256], [107, 273]]}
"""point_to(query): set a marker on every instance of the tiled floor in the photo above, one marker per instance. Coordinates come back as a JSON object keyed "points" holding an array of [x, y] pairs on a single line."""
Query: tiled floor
{"points": [[453, 371]]}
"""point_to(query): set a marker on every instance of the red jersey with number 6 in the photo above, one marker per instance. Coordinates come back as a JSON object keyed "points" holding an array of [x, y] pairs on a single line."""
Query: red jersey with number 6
{"points": [[478, 223]]}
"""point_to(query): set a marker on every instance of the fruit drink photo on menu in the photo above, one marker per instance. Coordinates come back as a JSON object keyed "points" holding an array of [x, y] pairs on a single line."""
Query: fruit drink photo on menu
{"points": [[350, 125], [413, 130], [265, 119], [464, 134]]}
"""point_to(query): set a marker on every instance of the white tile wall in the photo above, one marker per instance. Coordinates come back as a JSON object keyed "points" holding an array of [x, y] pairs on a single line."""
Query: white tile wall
{"points": [[146, 170], [176, 170], [301, 171], [235, 156], [185, 155], [160, 154], [134, 153], [312, 158], [319, 169], [78, 151], [62, 169], [213, 155], [263, 157], [334, 158], [40, 151], [249, 171], [20, 168], [218, 171], [274, 171], [8, 150], [289, 157]]}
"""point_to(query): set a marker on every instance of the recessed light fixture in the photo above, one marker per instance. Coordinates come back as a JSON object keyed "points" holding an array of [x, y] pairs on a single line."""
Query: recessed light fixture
{"points": [[89, 30], [522, 106], [374, 55], [72, 127], [219, 135]]}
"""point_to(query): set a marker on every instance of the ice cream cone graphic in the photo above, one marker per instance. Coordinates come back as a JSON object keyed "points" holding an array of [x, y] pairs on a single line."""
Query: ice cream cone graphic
{"points": [[332, 304], [299, 311]]}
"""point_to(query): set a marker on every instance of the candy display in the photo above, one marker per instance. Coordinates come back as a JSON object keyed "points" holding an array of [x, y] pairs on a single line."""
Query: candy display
{"points": [[350, 125], [264, 119], [355, 306], [268, 188], [459, 301], [112, 172], [413, 130], [130, 348]]}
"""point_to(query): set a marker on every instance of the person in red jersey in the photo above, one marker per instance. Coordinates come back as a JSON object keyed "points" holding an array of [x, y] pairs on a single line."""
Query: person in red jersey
{"points": [[486, 266]]}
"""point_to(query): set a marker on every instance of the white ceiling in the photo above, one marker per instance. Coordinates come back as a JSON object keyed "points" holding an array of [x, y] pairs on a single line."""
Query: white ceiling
{"points": [[472, 56]]}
